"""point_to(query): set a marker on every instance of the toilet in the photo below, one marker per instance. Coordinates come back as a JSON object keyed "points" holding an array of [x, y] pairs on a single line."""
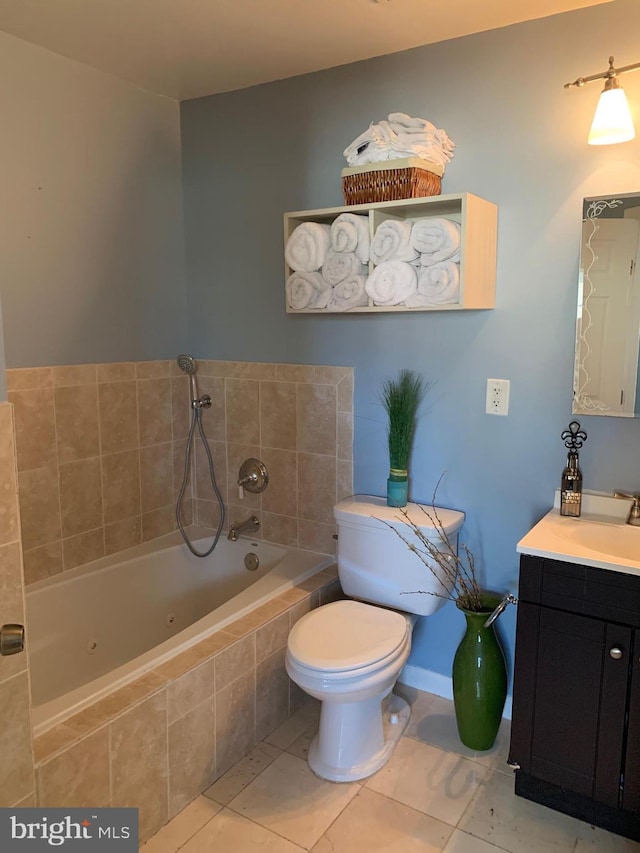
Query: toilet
{"points": [[349, 654]]}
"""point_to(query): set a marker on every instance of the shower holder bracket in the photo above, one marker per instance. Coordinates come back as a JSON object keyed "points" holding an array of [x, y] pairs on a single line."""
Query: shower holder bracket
{"points": [[253, 476]]}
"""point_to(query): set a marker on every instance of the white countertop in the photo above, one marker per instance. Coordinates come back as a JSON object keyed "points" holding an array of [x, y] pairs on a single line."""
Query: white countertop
{"points": [[600, 537]]}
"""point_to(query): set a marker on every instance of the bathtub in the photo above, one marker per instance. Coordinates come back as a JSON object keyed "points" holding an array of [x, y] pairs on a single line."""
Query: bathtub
{"points": [[105, 624]]}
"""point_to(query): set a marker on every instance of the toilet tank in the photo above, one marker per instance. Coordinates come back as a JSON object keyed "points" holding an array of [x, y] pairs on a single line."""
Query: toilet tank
{"points": [[375, 565]]}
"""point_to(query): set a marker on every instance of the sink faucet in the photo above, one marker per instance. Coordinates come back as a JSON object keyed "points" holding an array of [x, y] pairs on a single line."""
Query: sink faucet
{"points": [[249, 526], [634, 512]]}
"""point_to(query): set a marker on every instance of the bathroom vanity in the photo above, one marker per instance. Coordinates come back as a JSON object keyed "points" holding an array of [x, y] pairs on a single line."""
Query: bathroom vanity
{"points": [[575, 736]]}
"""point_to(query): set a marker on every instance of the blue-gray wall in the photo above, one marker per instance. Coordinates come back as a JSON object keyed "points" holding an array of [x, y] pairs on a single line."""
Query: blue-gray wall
{"points": [[251, 155]]}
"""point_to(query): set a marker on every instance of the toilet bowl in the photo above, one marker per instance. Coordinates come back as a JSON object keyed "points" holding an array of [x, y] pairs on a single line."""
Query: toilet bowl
{"points": [[349, 654]]}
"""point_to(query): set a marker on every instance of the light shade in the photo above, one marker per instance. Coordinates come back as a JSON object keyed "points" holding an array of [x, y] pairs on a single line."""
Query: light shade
{"points": [[612, 121]]}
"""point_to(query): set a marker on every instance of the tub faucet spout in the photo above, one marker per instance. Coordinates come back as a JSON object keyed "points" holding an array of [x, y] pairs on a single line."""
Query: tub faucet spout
{"points": [[249, 526]]}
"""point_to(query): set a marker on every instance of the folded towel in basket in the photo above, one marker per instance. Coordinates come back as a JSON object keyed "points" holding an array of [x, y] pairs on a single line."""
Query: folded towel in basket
{"points": [[392, 282], [392, 242], [438, 284], [340, 265], [350, 293], [435, 239], [350, 233], [307, 290], [307, 247]]}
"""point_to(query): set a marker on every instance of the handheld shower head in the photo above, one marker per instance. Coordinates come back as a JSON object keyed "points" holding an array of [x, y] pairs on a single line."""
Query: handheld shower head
{"points": [[187, 363]]}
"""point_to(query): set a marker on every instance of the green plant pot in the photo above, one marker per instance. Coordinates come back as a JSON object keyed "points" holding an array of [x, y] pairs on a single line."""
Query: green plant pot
{"points": [[479, 680], [397, 489]]}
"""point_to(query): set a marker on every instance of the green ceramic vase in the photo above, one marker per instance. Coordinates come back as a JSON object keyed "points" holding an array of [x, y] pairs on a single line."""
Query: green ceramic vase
{"points": [[479, 680]]}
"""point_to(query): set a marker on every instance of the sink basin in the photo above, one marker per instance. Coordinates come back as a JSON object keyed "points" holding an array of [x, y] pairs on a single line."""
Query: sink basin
{"points": [[614, 540]]}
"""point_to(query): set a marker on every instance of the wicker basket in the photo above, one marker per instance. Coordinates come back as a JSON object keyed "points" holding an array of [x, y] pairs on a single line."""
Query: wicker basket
{"points": [[391, 180]]}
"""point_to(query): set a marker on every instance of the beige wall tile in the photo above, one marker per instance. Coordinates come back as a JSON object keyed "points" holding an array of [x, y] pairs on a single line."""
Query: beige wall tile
{"points": [[81, 496], [156, 476], [39, 508], [207, 514], [119, 371], [313, 536], [11, 603], [74, 374], [235, 721], [139, 763], [234, 661], [121, 485], [195, 655], [152, 369], [186, 512], [204, 489], [9, 526], [77, 777], [310, 602], [328, 375], [243, 411], [52, 741], [252, 370], [345, 394], [77, 434], [281, 495], [295, 372], [316, 414], [84, 548], [272, 637], [278, 415], [345, 435], [16, 767], [272, 694], [35, 428], [190, 690], [331, 592], [214, 419], [280, 529], [179, 453], [316, 487], [154, 411], [29, 802], [24, 378], [180, 406], [192, 755], [344, 484], [122, 535], [158, 522], [42, 562], [118, 416]]}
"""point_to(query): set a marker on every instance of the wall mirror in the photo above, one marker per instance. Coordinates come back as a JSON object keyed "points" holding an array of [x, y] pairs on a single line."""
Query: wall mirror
{"points": [[606, 374]]}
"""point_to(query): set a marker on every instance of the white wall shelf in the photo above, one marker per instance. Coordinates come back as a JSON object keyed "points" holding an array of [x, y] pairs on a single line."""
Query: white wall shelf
{"points": [[478, 220]]}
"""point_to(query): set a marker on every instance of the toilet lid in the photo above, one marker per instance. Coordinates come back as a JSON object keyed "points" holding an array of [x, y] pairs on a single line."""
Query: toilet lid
{"points": [[346, 635]]}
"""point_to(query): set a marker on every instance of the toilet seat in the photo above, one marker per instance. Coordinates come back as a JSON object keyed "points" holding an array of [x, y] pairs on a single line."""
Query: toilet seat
{"points": [[347, 638]]}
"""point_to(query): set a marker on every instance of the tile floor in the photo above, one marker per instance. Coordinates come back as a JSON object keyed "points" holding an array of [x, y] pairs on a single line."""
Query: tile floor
{"points": [[434, 796]]}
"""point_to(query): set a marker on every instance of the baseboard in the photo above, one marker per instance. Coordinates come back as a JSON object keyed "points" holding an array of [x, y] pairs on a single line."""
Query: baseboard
{"points": [[435, 682]]}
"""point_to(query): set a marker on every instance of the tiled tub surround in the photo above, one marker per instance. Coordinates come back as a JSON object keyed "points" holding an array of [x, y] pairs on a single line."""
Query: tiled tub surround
{"points": [[16, 765], [100, 453], [161, 740]]}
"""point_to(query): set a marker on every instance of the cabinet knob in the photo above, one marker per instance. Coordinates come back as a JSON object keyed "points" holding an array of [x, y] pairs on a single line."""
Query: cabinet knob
{"points": [[615, 653]]}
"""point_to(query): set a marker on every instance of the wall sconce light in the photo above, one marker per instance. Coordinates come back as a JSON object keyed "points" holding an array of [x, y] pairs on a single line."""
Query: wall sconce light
{"points": [[612, 121]]}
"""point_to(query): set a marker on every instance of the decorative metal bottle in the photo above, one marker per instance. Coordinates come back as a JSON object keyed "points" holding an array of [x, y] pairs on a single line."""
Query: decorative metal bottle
{"points": [[571, 485]]}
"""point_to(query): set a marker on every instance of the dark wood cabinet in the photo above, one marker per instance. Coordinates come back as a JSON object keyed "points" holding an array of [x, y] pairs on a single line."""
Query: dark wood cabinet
{"points": [[575, 732]]}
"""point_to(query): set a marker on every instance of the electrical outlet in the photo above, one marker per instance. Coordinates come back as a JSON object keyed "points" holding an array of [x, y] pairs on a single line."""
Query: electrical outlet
{"points": [[497, 402]]}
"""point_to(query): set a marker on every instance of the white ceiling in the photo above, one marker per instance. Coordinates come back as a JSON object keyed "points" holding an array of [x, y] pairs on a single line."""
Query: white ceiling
{"points": [[189, 48]]}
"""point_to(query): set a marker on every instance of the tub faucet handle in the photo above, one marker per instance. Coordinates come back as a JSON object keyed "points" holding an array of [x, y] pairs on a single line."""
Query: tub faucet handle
{"points": [[252, 476], [11, 639]]}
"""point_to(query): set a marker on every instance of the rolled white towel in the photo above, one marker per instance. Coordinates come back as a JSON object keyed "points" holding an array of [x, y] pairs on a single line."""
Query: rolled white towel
{"points": [[350, 233], [340, 265], [307, 290], [307, 247], [392, 242], [438, 284], [392, 283], [435, 239], [350, 293]]}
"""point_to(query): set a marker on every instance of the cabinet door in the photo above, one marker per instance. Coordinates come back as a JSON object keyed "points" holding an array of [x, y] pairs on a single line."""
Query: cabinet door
{"points": [[631, 790], [572, 699]]}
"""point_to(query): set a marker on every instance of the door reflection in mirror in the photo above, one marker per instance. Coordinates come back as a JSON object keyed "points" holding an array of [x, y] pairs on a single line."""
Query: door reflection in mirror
{"points": [[608, 320]]}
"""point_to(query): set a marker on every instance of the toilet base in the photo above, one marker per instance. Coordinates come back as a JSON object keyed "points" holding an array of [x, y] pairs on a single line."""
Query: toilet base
{"points": [[395, 714]]}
